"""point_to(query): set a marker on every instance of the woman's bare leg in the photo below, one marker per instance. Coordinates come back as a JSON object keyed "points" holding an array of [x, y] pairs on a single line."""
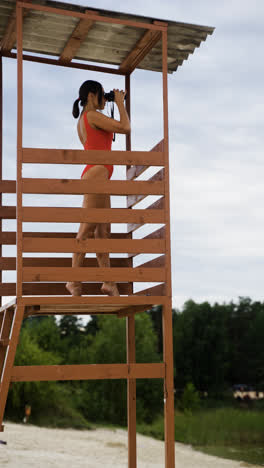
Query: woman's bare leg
{"points": [[102, 231], [89, 230]]}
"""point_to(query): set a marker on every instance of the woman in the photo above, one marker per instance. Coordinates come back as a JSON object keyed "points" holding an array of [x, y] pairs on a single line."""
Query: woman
{"points": [[95, 130]]}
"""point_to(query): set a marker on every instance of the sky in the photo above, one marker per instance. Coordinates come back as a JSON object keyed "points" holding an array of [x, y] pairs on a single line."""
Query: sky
{"points": [[216, 142]]}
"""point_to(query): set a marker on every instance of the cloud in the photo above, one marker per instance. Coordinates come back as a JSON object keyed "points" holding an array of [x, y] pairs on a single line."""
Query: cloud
{"points": [[216, 141]]}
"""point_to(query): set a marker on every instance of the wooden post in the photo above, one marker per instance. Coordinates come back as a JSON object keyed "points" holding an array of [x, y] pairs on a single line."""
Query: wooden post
{"points": [[1, 153], [10, 357], [167, 308], [130, 338], [19, 26]]}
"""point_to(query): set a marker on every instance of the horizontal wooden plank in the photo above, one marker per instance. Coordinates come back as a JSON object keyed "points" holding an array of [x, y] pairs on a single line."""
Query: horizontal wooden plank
{"points": [[66, 156], [96, 300], [93, 215], [84, 309], [136, 171], [88, 372], [7, 186], [159, 290], [55, 289], [9, 263], [158, 205], [9, 237], [111, 187], [30, 274], [8, 212], [132, 200], [93, 245]]}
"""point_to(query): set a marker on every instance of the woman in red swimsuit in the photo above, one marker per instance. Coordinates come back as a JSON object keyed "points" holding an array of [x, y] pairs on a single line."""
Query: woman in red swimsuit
{"points": [[95, 131]]}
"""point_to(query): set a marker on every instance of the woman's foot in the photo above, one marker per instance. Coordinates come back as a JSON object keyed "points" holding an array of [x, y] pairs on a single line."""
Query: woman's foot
{"points": [[110, 289], [75, 288]]}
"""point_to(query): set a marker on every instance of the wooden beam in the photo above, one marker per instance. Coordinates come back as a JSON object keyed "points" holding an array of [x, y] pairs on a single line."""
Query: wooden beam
{"points": [[77, 37], [9, 237], [9, 38], [93, 245], [64, 156], [92, 215], [93, 274], [140, 50], [88, 371], [154, 186]]}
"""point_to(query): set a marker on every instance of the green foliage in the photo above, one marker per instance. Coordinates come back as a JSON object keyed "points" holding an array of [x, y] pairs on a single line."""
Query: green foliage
{"points": [[190, 400], [106, 400]]}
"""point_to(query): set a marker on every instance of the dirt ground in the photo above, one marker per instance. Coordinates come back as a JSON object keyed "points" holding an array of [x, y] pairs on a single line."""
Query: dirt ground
{"points": [[30, 446]]}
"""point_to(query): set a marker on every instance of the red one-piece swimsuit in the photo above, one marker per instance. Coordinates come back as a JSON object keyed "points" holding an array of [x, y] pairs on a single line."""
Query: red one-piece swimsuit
{"points": [[97, 140]]}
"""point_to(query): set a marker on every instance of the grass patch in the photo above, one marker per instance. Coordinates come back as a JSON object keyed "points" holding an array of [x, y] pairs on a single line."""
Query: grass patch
{"points": [[226, 432]]}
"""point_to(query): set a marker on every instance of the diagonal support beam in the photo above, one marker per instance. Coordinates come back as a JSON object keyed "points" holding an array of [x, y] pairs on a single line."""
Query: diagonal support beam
{"points": [[77, 37], [141, 49], [9, 38]]}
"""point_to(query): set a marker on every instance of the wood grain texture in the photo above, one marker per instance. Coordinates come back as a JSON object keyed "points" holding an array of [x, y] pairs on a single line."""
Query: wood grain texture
{"points": [[54, 289], [154, 186], [31, 274], [72, 301], [9, 263], [77, 37], [147, 41], [93, 215], [87, 371], [132, 200], [9, 237], [93, 245], [66, 156]]}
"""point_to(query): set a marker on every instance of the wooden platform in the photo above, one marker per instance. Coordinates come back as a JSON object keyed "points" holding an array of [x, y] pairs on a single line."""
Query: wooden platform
{"points": [[119, 309]]}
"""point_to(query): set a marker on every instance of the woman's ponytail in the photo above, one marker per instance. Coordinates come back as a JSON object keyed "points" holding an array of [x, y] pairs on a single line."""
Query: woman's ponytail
{"points": [[75, 109], [87, 87]]}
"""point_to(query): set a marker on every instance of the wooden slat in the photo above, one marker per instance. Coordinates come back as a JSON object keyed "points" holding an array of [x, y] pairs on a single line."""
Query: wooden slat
{"points": [[133, 199], [7, 186], [54, 289], [158, 234], [135, 170], [93, 215], [9, 263], [87, 371], [30, 274], [8, 212], [96, 300], [154, 186], [158, 262], [77, 37], [93, 245], [9, 38], [158, 205], [159, 290], [9, 238], [140, 50], [64, 156]]}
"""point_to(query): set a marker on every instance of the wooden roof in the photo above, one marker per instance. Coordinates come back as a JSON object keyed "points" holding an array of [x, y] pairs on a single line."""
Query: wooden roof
{"points": [[123, 46]]}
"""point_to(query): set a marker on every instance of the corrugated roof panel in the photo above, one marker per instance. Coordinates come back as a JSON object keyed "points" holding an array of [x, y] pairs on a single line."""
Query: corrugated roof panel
{"points": [[48, 33]]}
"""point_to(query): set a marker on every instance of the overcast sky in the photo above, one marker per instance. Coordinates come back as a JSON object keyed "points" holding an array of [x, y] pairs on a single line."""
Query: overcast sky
{"points": [[216, 141]]}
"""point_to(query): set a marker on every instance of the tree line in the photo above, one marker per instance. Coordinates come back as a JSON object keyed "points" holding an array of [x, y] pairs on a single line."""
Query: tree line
{"points": [[215, 347]]}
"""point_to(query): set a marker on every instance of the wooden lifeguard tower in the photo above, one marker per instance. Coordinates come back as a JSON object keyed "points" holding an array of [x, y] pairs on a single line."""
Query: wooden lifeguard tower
{"points": [[40, 287]]}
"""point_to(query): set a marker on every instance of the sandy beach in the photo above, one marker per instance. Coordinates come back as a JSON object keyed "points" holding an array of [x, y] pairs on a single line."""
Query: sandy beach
{"points": [[30, 446]]}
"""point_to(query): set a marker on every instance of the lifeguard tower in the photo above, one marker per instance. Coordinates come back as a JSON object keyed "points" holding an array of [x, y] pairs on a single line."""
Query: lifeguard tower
{"points": [[70, 32]]}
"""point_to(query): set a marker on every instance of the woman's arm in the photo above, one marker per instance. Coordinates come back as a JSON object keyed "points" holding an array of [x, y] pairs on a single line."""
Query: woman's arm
{"points": [[103, 122]]}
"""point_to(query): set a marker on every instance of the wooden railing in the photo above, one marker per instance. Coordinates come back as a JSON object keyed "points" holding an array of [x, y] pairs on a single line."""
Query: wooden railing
{"points": [[47, 275]]}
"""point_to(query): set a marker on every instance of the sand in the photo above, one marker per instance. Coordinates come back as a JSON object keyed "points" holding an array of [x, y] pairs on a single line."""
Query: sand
{"points": [[30, 446]]}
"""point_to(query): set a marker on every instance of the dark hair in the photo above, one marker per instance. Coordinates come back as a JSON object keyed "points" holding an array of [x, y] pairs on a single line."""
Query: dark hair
{"points": [[88, 86]]}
